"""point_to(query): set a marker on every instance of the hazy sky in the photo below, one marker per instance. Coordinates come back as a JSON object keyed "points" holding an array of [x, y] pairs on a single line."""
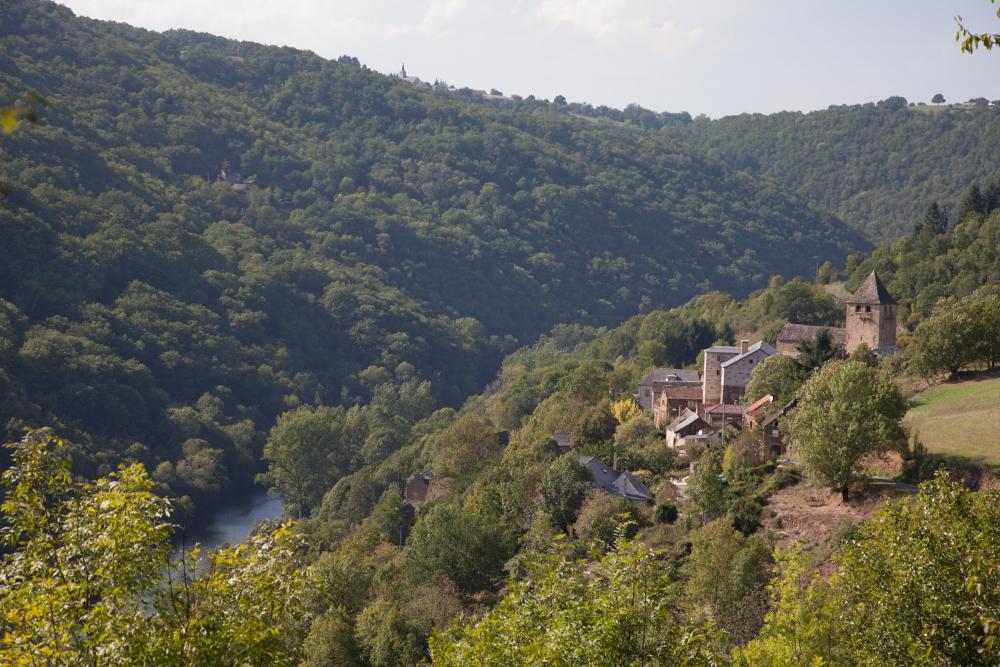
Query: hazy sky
{"points": [[718, 58]]}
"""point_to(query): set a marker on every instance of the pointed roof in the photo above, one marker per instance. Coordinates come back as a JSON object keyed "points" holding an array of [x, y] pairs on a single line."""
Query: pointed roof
{"points": [[631, 487], [872, 292], [767, 348]]}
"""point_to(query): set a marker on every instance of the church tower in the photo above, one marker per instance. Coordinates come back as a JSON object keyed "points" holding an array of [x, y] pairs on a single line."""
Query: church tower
{"points": [[871, 317]]}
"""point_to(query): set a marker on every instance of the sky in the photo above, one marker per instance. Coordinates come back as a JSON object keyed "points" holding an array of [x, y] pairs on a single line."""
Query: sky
{"points": [[716, 58]]}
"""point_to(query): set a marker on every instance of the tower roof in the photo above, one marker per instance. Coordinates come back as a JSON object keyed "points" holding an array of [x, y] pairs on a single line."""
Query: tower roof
{"points": [[872, 292]]}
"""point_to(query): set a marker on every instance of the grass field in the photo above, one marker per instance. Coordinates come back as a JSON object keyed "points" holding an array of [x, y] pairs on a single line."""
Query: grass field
{"points": [[961, 419]]}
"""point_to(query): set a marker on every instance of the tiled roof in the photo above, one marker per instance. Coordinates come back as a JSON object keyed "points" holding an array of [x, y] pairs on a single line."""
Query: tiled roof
{"points": [[797, 333], [729, 409], [872, 292], [763, 400], [671, 375], [758, 346], [725, 349], [683, 392]]}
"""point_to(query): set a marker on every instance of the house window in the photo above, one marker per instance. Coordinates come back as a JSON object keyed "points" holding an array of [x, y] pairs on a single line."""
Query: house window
{"points": [[718, 372], [857, 309], [868, 309]]}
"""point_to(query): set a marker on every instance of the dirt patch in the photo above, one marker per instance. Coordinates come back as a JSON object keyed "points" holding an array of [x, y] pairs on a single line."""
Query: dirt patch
{"points": [[803, 513]]}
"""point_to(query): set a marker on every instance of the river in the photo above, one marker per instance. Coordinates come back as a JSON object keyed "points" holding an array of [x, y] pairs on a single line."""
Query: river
{"points": [[234, 523]]}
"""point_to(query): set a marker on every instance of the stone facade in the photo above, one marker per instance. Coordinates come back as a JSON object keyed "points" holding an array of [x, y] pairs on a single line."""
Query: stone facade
{"points": [[711, 375], [737, 370]]}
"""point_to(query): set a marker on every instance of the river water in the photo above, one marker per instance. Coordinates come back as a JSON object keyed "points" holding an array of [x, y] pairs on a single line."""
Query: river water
{"points": [[234, 523]]}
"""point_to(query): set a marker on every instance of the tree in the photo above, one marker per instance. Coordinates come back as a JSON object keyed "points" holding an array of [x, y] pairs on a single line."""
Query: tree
{"points": [[945, 341], [727, 581], [816, 352], [569, 612], [935, 221], [305, 456], [447, 541], [778, 375], [707, 488], [563, 487], [846, 411], [389, 638], [969, 41], [624, 410], [78, 558], [389, 518], [938, 99]]}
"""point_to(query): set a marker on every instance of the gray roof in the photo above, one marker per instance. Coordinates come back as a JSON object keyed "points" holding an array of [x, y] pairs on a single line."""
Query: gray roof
{"points": [[797, 333], [562, 439], [631, 487], [725, 349], [671, 375], [685, 418], [625, 485], [760, 346], [872, 292], [603, 475]]}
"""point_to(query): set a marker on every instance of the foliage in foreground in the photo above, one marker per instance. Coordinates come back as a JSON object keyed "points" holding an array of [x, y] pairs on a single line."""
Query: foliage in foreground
{"points": [[87, 578], [618, 609], [919, 585]]}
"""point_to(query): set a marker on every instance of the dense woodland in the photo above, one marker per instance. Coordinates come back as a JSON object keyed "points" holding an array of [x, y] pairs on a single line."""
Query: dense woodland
{"points": [[390, 234], [873, 165]]}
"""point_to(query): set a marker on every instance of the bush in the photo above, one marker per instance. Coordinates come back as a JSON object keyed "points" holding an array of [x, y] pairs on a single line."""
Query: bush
{"points": [[601, 515], [666, 513]]}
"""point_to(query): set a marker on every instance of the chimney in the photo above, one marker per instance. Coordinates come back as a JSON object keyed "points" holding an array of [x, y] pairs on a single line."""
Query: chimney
{"points": [[744, 346], [614, 462]]}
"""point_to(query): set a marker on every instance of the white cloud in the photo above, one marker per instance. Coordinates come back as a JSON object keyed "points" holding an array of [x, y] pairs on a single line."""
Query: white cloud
{"points": [[616, 23]]}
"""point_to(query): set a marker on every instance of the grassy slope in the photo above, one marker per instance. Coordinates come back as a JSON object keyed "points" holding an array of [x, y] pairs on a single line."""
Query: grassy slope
{"points": [[959, 419]]}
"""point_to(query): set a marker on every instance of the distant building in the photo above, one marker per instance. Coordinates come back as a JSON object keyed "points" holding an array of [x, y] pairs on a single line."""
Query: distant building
{"points": [[564, 441], [736, 370], [713, 358], [793, 335], [672, 400], [870, 318], [690, 427], [625, 485], [659, 378]]}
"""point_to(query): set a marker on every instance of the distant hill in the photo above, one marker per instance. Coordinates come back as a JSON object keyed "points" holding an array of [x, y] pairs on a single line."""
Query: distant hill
{"points": [[876, 166], [206, 232]]}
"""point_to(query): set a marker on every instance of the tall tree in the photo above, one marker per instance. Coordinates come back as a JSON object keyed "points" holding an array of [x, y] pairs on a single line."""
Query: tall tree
{"points": [[305, 454], [846, 411]]}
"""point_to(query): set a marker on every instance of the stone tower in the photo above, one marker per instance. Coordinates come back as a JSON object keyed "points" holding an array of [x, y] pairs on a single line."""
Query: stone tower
{"points": [[871, 316]]}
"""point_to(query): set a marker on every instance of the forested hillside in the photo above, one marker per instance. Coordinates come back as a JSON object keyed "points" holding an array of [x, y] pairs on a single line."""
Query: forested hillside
{"points": [[377, 233], [876, 166]]}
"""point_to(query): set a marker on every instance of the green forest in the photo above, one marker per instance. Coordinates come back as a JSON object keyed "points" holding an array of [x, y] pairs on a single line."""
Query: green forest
{"points": [[874, 165]]}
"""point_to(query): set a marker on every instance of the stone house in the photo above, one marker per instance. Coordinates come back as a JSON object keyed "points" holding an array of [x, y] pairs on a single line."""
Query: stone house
{"points": [[564, 441], [792, 335], [690, 427], [736, 370], [755, 412], [674, 399], [712, 360], [773, 432], [659, 379], [722, 415]]}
